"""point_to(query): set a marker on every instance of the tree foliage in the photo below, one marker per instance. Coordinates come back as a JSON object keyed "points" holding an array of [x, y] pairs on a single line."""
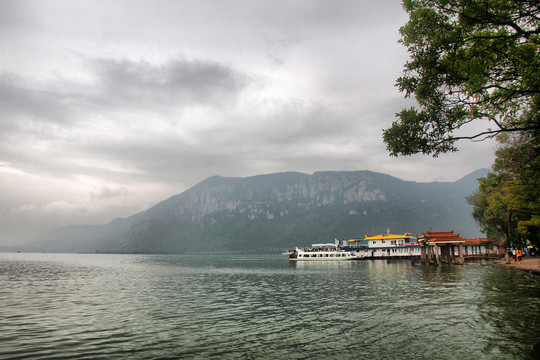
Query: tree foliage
{"points": [[496, 208], [470, 60], [508, 200], [507, 203]]}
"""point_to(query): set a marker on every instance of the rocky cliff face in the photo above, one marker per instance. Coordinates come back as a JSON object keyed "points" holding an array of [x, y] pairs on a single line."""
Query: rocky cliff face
{"points": [[287, 209], [259, 194]]}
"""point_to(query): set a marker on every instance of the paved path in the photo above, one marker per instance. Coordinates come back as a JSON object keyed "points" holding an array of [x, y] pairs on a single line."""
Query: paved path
{"points": [[530, 264]]}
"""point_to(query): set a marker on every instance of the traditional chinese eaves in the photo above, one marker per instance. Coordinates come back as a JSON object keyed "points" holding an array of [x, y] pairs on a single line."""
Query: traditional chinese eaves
{"points": [[441, 237]]}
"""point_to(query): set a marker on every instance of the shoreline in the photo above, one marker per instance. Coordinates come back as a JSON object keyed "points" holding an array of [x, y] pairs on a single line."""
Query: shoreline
{"points": [[529, 264]]}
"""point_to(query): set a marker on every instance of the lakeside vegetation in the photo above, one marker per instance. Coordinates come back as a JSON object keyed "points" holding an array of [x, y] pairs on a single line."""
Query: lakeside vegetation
{"points": [[473, 61]]}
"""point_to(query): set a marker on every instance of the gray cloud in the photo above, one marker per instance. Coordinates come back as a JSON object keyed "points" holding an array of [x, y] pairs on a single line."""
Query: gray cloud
{"points": [[120, 83], [70, 120], [20, 100], [175, 83], [108, 107], [109, 193]]}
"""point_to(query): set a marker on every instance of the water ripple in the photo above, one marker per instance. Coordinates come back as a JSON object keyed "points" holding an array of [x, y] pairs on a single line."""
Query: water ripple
{"points": [[173, 307]]}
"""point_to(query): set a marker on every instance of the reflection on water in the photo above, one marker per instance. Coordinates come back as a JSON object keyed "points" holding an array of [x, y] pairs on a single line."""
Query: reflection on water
{"points": [[510, 304], [137, 306]]}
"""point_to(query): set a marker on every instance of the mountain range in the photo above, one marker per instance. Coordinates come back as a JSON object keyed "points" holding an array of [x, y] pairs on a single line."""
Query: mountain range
{"points": [[273, 212]]}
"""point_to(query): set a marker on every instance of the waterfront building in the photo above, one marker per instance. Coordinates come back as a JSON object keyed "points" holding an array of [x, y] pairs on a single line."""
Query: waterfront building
{"points": [[385, 246], [441, 247], [481, 248]]}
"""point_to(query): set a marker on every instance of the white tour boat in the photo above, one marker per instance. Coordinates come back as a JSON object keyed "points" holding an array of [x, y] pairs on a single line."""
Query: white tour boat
{"points": [[322, 252]]}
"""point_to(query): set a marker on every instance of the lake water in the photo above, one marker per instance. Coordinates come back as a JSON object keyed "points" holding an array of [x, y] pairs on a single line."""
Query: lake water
{"points": [[77, 306]]}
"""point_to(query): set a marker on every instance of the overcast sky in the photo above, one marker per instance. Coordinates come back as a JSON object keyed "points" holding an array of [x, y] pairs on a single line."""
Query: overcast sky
{"points": [[108, 107]]}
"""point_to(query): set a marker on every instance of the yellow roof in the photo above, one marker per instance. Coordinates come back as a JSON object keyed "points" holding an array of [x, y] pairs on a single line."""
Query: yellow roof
{"points": [[384, 237]]}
